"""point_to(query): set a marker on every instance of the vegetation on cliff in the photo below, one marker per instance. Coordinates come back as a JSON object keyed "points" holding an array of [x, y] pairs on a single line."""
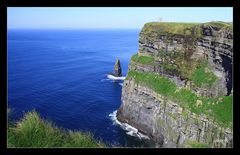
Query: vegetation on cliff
{"points": [[196, 71], [173, 28], [195, 144], [143, 59], [219, 108], [220, 24], [163, 28], [203, 76], [32, 131]]}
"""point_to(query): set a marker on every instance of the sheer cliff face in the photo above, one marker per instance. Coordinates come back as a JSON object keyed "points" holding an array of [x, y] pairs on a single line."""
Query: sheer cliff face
{"points": [[212, 42], [178, 88]]}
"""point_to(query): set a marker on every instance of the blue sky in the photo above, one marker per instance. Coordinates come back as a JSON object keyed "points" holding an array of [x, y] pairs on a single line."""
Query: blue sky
{"points": [[114, 17]]}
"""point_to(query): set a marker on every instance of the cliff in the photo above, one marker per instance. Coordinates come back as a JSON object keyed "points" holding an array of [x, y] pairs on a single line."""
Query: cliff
{"points": [[178, 88]]}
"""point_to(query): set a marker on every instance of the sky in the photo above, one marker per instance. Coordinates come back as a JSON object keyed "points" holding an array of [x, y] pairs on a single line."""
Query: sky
{"points": [[109, 17]]}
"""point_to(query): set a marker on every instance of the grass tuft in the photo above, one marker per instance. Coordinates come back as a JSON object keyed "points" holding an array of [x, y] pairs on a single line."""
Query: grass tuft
{"points": [[203, 76], [143, 59], [195, 144], [32, 131]]}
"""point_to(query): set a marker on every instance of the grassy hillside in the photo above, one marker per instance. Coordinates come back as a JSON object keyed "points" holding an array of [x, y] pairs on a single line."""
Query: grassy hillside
{"points": [[32, 131]]}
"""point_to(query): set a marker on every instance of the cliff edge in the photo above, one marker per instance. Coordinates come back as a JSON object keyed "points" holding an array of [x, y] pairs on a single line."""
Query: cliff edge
{"points": [[178, 88]]}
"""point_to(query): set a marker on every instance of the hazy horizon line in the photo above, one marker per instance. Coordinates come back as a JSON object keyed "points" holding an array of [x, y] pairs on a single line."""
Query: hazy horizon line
{"points": [[74, 28]]}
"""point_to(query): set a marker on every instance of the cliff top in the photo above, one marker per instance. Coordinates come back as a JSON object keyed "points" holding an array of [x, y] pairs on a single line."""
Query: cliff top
{"points": [[183, 28]]}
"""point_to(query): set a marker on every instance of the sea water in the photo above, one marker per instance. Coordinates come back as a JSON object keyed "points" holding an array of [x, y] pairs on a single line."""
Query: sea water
{"points": [[63, 75]]}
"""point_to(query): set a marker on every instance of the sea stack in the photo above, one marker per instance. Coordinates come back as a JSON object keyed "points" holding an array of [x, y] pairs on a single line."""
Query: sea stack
{"points": [[117, 68]]}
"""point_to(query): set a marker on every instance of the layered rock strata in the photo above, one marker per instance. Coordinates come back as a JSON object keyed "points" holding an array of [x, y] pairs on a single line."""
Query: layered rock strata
{"points": [[197, 60]]}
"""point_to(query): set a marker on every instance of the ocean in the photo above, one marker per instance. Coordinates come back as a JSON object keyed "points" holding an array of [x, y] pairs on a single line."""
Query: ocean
{"points": [[62, 74]]}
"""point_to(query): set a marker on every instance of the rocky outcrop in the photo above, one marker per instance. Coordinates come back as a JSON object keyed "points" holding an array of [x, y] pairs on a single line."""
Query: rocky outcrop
{"points": [[196, 58], [117, 68]]}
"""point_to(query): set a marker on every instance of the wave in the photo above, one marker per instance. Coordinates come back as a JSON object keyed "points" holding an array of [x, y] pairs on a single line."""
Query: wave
{"points": [[115, 78], [104, 80], [130, 130], [121, 84]]}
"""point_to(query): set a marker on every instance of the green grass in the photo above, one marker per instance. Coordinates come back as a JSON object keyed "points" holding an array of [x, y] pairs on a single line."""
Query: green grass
{"points": [[172, 54], [172, 28], [219, 108], [143, 59], [159, 83], [183, 68], [170, 68], [32, 131], [196, 71], [203, 76], [219, 24], [195, 144]]}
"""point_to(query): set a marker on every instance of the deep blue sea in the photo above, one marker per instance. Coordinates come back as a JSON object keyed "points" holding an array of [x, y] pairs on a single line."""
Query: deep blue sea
{"points": [[62, 74]]}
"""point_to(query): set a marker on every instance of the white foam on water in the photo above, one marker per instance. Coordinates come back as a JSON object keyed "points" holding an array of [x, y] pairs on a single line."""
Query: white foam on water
{"points": [[115, 78], [121, 84], [105, 80], [113, 117], [130, 130]]}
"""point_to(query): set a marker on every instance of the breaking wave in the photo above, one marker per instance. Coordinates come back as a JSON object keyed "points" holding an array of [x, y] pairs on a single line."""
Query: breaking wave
{"points": [[121, 84], [105, 80], [130, 130], [115, 78]]}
